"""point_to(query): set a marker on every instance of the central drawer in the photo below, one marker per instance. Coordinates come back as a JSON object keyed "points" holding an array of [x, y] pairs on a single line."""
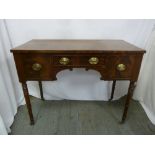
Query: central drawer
{"points": [[78, 60], [92, 60], [64, 60]]}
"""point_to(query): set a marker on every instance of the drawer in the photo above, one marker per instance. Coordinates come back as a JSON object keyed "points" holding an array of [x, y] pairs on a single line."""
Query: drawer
{"points": [[120, 67], [92, 60], [67, 60], [64, 60], [37, 66]]}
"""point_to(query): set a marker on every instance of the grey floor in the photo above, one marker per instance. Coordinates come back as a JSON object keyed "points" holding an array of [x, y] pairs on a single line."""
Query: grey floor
{"points": [[81, 118]]}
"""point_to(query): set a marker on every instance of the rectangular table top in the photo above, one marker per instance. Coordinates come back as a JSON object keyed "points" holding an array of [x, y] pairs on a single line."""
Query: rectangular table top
{"points": [[47, 45]]}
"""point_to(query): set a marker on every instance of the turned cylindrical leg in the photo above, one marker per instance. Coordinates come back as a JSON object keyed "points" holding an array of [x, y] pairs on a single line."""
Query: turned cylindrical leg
{"points": [[129, 96], [41, 90], [28, 103], [113, 89]]}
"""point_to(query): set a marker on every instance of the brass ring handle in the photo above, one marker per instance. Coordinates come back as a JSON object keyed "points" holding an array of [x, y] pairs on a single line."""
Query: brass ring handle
{"points": [[93, 60], [121, 67], [36, 67], [64, 61]]}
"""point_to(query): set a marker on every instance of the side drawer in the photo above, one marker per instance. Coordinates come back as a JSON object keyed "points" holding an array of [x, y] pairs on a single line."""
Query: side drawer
{"points": [[123, 66], [36, 66]]}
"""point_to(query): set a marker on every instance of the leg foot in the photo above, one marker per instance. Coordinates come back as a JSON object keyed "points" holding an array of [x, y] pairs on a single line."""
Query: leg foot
{"points": [[113, 89], [28, 103], [32, 122], [129, 95], [41, 90]]}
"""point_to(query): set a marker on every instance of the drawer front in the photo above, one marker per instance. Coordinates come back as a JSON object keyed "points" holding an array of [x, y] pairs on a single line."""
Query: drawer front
{"points": [[46, 66], [121, 67], [37, 66], [78, 60], [92, 60], [64, 60]]}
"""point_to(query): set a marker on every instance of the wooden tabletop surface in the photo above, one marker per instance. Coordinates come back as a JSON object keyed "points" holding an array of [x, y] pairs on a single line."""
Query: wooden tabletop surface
{"points": [[76, 45]]}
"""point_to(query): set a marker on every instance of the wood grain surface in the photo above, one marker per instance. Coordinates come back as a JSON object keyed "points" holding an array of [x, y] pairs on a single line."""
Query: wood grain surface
{"points": [[61, 46]]}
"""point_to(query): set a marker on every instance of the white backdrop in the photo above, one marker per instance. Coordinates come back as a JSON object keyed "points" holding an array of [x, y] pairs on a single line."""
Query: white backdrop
{"points": [[78, 84]]}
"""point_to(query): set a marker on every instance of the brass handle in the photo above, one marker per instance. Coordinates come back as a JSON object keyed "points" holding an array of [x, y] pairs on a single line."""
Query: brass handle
{"points": [[121, 67], [64, 61], [36, 67], [93, 60]]}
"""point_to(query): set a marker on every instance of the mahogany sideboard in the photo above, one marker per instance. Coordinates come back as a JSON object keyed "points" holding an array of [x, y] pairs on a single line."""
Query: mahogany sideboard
{"points": [[41, 60]]}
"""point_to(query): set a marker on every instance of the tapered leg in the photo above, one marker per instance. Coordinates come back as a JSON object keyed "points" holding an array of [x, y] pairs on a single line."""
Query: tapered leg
{"points": [[41, 90], [28, 103], [129, 95], [113, 89]]}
